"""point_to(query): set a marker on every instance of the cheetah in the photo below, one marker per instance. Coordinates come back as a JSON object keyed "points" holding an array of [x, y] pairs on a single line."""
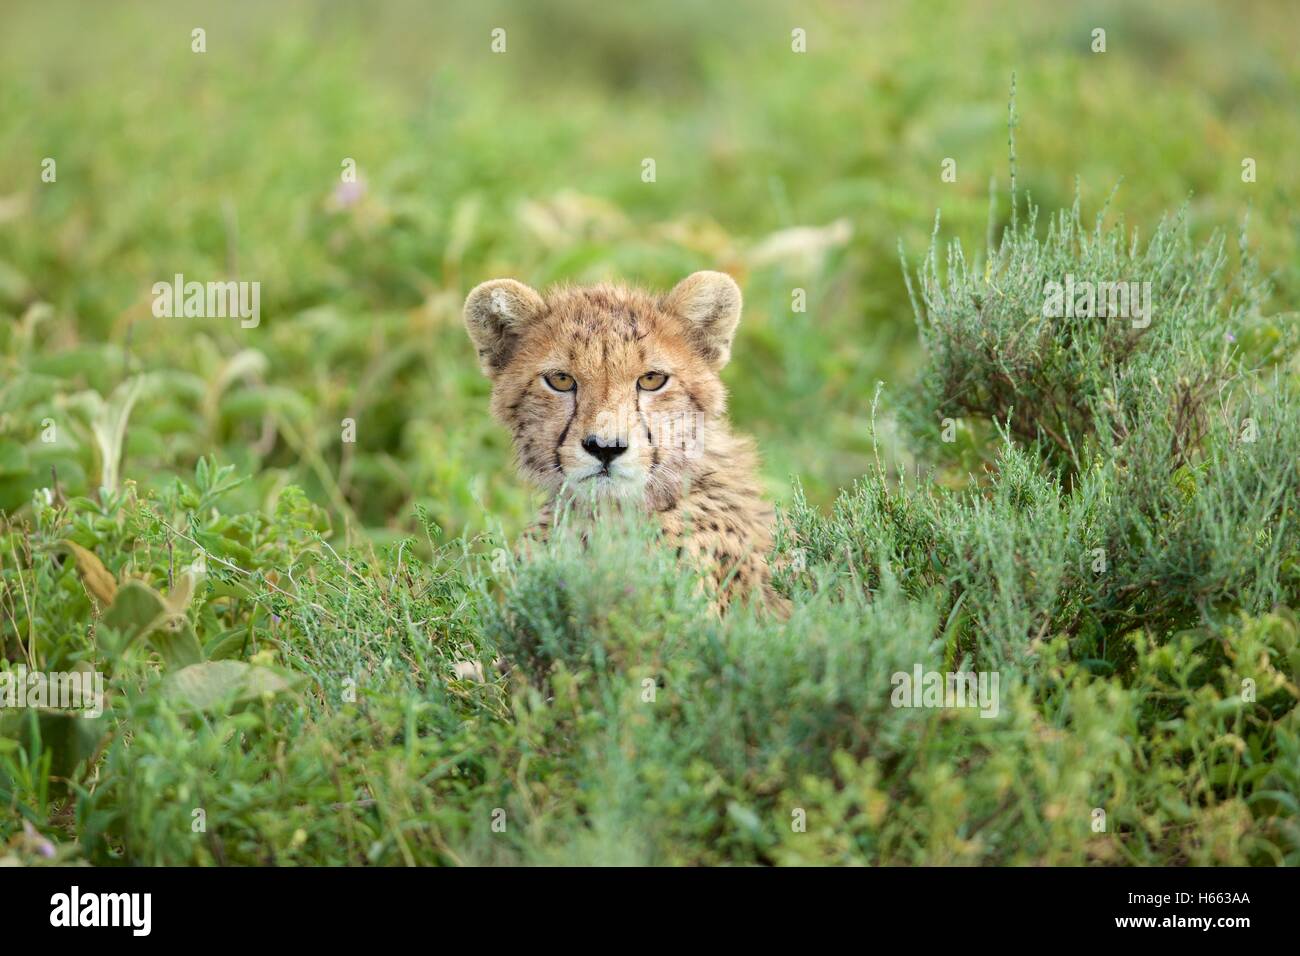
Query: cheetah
{"points": [[614, 392]]}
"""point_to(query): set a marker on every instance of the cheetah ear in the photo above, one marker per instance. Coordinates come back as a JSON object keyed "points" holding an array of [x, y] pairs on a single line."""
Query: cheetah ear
{"points": [[710, 304], [495, 313]]}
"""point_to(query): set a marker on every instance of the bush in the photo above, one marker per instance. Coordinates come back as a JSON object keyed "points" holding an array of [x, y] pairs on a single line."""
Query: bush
{"points": [[1122, 563]]}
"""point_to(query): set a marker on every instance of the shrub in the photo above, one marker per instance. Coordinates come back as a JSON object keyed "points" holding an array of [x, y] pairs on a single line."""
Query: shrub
{"points": [[1122, 562]]}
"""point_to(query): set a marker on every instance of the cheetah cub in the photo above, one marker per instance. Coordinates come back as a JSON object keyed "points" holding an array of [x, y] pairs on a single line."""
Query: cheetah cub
{"points": [[613, 393]]}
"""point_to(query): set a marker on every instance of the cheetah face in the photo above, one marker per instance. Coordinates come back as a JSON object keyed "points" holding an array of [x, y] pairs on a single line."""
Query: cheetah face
{"points": [[606, 391]]}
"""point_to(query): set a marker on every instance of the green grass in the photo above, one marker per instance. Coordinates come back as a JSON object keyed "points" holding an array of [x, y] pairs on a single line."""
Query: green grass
{"points": [[351, 579]]}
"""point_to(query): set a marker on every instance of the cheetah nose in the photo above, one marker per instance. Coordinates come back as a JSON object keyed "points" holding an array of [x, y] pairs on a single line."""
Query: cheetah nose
{"points": [[604, 453]]}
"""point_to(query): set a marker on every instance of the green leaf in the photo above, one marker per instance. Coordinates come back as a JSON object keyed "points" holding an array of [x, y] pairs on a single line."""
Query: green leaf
{"points": [[224, 547], [177, 643], [216, 685], [68, 737], [1274, 803], [136, 611], [226, 644]]}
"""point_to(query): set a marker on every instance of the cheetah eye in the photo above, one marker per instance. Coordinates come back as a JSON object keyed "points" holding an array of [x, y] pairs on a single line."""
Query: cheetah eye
{"points": [[652, 381], [560, 381]]}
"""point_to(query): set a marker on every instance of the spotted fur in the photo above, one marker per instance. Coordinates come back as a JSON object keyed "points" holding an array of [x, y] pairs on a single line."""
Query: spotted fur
{"points": [[670, 450]]}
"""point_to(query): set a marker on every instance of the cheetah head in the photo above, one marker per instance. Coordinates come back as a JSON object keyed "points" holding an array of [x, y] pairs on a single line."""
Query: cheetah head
{"points": [[607, 390]]}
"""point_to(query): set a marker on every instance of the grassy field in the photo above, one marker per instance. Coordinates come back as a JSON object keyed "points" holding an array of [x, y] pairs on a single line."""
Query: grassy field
{"points": [[295, 700]]}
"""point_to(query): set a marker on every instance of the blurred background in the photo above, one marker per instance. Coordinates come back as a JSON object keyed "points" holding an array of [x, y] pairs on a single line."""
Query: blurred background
{"points": [[788, 170]]}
